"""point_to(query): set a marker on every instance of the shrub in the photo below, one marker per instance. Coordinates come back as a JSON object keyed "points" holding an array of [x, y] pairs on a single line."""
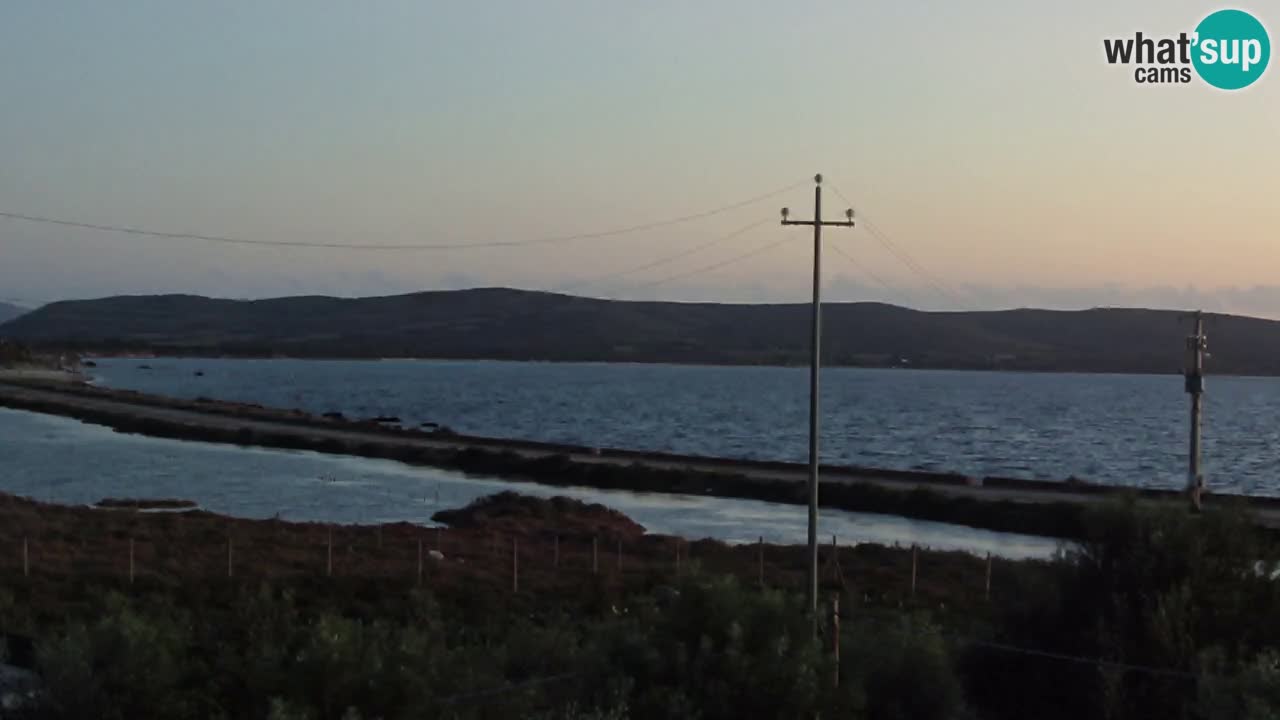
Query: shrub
{"points": [[1151, 587]]}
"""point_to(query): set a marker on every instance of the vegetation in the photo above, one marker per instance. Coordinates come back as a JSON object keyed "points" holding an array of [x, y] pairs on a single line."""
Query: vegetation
{"points": [[12, 353], [1189, 595], [521, 325], [1156, 614]]}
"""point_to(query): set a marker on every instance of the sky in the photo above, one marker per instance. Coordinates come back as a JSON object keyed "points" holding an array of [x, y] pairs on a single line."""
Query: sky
{"points": [[988, 142]]}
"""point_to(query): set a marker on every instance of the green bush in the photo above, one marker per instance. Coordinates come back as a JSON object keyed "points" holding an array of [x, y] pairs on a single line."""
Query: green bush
{"points": [[1156, 588], [909, 675], [120, 667], [720, 651]]}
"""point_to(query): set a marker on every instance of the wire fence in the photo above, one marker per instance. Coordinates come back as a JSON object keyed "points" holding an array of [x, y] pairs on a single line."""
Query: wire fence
{"points": [[888, 587], [44, 543]]}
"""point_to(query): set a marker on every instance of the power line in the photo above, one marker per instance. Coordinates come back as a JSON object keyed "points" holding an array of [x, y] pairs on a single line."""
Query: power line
{"points": [[940, 286], [526, 314], [713, 266], [892, 621], [498, 691], [1098, 662], [864, 269], [425, 246], [660, 261]]}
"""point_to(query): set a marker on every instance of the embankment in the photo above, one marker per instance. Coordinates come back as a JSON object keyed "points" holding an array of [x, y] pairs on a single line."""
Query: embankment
{"points": [[1041, 508]]}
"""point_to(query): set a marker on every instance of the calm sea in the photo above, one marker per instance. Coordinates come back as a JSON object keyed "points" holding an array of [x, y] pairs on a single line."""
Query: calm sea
{"points": [[1118, 429]]}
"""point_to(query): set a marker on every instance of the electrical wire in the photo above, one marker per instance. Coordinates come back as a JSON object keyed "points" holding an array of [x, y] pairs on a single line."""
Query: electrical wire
{"points": [[937, 284], [428, 246], [523, 314], [894, 622], [660, 261], [864, 269], [713, 266]]}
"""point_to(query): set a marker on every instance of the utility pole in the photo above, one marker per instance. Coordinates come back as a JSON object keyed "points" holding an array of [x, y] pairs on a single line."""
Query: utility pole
{"points": [[1196, 345], [815, 348]]}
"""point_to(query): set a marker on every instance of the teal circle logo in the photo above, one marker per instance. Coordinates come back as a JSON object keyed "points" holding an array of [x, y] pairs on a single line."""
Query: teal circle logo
{"points": [[1231, 49]]}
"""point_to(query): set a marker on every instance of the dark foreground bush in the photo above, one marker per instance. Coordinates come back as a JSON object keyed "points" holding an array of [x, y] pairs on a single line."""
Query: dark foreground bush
{"points": [[707, 649], [1180, 608], [1157, 614]]}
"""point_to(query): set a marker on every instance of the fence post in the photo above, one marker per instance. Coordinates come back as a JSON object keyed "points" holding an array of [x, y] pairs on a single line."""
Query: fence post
{"points": [[328, 564], [987, 592], [914, 562], [26, 563], [760, 560], [515, 565], [595, 555], [835, 640], [835, 558]]}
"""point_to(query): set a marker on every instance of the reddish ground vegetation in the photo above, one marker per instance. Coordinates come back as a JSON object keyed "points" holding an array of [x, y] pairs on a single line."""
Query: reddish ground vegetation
{"points": [[528, 551], [515, 514]]}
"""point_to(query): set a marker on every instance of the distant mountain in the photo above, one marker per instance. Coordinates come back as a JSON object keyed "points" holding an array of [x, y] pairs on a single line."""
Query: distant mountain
{"points": [[514, 324], [9, 312]]}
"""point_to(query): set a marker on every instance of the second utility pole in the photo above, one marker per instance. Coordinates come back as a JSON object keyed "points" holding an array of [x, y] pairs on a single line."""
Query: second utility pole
{"points": [[1196, 345], [815, 350]]}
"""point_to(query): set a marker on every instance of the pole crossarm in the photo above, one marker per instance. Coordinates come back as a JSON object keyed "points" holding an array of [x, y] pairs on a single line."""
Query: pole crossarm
{"points": [[824, 223]]}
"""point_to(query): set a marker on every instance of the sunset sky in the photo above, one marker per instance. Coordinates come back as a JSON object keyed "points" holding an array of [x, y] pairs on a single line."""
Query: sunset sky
{"points": [[988, 140]]}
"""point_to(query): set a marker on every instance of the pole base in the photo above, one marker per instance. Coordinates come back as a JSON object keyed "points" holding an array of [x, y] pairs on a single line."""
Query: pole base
{"points": [[1195, 493]]}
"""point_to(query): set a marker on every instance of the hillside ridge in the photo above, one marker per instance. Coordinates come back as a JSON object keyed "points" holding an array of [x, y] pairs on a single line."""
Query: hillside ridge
{"points": [[510, 324]]}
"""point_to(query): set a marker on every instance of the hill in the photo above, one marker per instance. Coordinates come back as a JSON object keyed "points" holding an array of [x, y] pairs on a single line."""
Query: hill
{"points": [[524, 325], [9, 312]]}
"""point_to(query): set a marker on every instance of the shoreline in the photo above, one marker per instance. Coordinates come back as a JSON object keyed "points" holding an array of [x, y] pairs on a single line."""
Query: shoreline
{"points": [[799, 365], [1003, 504]]}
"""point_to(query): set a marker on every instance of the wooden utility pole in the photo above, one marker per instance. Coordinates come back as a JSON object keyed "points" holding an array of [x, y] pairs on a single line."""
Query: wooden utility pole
{"points": [[815, 349], [1197, 343]]}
